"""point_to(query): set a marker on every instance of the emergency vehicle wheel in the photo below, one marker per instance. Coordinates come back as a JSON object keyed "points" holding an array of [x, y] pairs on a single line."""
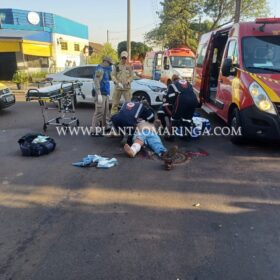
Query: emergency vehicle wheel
{"points": [[235, 122]]}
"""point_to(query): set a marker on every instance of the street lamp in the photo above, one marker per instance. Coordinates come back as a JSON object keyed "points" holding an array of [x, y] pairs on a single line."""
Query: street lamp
{"points": [[59, 40]]}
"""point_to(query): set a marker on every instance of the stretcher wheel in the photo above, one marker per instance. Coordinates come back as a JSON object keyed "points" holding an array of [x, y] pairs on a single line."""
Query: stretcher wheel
{"points": [[66, 127]]}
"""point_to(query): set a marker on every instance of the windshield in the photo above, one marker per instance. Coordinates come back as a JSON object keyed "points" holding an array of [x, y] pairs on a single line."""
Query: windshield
{"points": [[182, 61], [261, 54]]}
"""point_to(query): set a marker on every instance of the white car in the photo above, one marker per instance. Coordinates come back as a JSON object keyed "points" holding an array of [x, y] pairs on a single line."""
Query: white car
{"points": [[7, 98], [151, 90]]}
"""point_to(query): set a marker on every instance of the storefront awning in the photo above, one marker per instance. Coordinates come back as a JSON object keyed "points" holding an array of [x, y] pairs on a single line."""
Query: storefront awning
{"points": [[11, 46], [36, 49], [28, 42]]}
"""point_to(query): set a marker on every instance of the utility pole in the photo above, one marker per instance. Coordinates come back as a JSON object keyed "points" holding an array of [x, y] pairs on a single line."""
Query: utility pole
{"points": [[128, 29], [108, 36], [237, 11]]}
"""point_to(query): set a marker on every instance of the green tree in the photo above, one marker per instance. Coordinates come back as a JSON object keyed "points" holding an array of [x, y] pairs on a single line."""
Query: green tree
{"points": [[138, 49], [175, 27], [181, 20], [107, 50], [221, 12]]}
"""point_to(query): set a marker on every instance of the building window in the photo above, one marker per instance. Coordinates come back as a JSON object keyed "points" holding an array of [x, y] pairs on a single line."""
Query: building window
{"points": [[64, 46], [77, 47], [36, 61], [201, 53]]}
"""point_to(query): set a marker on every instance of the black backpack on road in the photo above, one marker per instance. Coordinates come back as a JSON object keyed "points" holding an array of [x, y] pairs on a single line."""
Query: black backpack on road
{"points": [[30, 149]]}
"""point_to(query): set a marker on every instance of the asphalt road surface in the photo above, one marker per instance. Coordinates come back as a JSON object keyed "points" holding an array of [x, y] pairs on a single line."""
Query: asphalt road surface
{"points": [[212, 217]]}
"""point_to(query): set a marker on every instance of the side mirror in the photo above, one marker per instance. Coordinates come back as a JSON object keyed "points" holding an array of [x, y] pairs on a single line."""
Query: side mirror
{"points": [[227, 68], [166, 67]]}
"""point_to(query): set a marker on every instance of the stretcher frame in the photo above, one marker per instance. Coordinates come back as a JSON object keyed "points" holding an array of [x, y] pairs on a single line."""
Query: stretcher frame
{"points": [[62, 99]]}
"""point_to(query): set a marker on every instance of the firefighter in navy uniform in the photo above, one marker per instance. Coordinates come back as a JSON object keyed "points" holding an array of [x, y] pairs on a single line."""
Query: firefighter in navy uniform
{"points": [[130, 114], [165, 111], [185, 104]]}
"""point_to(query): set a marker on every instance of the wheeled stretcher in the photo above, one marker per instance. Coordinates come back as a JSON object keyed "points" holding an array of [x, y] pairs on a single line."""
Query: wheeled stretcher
{"points": [[60, 97]]}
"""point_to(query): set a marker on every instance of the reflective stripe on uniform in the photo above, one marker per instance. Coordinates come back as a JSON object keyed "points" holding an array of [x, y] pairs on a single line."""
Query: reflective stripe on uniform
{"points": [[172, 95], [138, 111], [175, 88], [161, 112], [150, 117]]}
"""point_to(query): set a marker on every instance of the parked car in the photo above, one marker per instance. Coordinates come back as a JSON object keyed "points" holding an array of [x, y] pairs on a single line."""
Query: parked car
{"points": [[143, 88], [7, 98]]}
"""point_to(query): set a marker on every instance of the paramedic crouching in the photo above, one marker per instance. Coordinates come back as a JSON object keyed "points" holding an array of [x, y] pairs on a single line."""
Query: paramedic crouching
{"points": [[185, 104], [129, 115]]}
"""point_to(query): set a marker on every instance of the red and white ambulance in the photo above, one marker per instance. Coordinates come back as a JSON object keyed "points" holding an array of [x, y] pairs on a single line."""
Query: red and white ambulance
{"points": [[162, 65]]}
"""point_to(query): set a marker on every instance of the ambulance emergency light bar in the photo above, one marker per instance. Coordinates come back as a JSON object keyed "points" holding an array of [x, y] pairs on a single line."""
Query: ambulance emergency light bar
{"points": [[267, 20], [176, 50], [180, 51]]}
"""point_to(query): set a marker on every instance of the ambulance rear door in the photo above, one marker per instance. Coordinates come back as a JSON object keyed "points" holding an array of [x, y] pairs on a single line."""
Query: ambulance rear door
{"points": [[202, 66]]}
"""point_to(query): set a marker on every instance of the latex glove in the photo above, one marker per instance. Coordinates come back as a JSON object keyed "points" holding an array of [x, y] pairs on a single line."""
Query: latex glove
{"points": [[120, 85]]}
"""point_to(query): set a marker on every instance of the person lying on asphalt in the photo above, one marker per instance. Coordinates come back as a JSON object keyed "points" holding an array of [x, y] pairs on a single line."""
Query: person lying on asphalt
{"points": [[146, 134]]}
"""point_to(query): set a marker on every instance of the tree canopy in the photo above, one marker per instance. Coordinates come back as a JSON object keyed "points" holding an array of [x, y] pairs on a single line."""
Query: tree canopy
{"points": [[138, 49], [222, 11], [183, 21], [107, 50]]}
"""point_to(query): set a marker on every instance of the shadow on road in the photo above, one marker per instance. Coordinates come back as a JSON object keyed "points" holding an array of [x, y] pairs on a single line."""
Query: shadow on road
{"points": [[213, 217]]}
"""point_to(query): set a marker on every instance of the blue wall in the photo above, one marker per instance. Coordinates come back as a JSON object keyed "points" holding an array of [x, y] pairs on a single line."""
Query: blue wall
{"points": [[69, 27], [17, 19], [41, 36]]}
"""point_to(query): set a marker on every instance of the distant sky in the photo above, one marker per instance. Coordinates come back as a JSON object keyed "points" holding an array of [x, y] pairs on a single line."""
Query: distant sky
{"points": [[103, 15]]}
